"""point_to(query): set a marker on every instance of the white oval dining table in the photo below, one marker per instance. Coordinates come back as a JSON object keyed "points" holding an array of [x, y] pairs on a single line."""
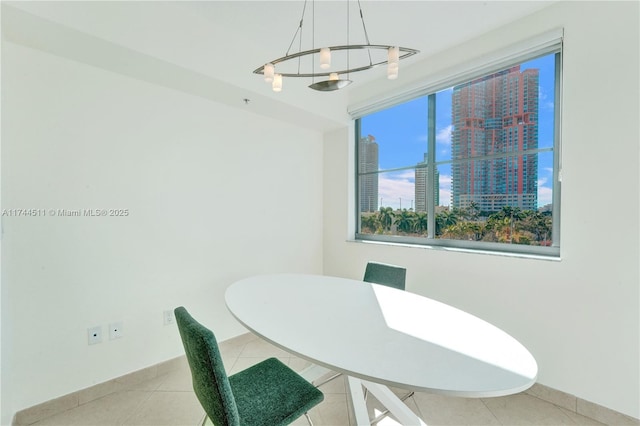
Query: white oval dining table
{"points": [[380, 336]]}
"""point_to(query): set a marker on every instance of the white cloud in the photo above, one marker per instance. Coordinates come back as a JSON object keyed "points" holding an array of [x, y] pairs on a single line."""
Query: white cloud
{"points": [[543, 98], [545, 194], [541, 94], [445, 190], [444, 135], [397, 187]]}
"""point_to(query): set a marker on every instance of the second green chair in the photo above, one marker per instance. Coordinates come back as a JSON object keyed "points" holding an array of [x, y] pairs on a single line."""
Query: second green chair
{"points": [[382, 273]]}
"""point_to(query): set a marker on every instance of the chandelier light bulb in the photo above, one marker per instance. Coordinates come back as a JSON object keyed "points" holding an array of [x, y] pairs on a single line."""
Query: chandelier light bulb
{"points": [[325, 58], [392, 71], [277, 83], [393, 56], [268, 72], [333, 76]]}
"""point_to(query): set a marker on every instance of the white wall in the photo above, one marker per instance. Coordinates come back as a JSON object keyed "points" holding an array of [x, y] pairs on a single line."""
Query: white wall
{"points": [[214, 194], [579, 316]]}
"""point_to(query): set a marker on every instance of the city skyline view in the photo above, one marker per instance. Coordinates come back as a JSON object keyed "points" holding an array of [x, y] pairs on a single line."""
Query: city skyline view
{"points": [[401, 135]]}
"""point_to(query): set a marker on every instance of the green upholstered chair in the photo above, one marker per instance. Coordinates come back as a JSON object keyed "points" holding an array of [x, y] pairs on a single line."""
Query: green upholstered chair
{"points": [[382, 273], [268, 393]]}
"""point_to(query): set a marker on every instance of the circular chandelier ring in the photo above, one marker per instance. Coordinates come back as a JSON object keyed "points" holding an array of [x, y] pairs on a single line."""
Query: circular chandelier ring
{"points": [[405, 53]]}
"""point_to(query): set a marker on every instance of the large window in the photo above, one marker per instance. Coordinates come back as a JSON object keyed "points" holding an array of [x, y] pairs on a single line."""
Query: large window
{"points": [[473, 164]]}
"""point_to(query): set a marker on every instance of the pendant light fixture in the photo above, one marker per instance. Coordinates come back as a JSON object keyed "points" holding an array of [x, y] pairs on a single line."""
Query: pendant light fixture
{"points": [[335, 80]]}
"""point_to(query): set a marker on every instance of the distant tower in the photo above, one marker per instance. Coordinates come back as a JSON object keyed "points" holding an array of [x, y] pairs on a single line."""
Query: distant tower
{"points": [[496, 115], [421, 174], [368, 155]]}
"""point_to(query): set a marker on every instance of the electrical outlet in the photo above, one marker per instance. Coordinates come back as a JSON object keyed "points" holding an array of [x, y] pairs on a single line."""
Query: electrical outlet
{"points": [[169, 318], [94, 335], [115, 330]]}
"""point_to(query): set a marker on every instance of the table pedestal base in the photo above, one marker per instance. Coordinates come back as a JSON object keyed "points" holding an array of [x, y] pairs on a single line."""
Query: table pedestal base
{"points": [[387, 398]]}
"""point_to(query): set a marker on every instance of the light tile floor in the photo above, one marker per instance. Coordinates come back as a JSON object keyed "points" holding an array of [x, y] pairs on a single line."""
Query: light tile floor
{"points": [[169, 400]]}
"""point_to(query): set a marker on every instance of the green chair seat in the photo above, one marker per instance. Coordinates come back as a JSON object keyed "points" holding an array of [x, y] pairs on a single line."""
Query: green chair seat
{"points": [[268, 393], [271, 394]]}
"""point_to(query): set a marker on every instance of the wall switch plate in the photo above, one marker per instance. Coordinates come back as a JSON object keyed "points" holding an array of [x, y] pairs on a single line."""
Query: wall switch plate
{"points": [[169, 318], [94, 335], [115, 330]]}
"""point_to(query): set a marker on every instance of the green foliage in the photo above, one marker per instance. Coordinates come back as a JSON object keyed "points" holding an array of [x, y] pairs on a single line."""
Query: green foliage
{"points": [[405, 220], [385, 216], [510, 225]]}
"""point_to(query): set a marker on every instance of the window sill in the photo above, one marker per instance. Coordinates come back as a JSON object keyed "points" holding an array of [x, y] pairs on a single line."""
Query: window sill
{"points": [[552, 258]]}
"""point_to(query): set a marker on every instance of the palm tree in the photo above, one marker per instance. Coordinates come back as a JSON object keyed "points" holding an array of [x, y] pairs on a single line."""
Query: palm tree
{"points": [[538, 224], [444, 219], [460, 214], [385, 216], [405, 220], [473, 211], [500, 229], [513, 215], [421, 223]]}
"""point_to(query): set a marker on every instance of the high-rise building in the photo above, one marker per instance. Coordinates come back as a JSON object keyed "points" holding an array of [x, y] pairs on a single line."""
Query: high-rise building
{"points": [[421, 185], [368, 155], [491, 116]]}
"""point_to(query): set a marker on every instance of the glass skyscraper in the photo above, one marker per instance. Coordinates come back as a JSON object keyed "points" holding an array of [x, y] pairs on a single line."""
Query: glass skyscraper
{"points": [[421, 185], [368, 162], [492, 117]]}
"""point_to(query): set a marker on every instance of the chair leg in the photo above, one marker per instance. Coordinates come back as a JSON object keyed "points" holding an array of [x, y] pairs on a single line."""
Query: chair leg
{"points": [[327, 380], [407, 396], [308, 419]]}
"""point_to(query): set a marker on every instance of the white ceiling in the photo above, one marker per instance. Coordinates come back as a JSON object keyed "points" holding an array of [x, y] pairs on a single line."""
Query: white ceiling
{"points": [[215, 45]]}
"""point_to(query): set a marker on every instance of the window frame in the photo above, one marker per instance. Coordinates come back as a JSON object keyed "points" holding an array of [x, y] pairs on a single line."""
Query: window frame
{"points": [[546, 44]]}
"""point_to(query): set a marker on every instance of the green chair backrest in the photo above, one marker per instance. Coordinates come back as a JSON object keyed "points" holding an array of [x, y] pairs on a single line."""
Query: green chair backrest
{"points": [[210, 381], [389, 275]]}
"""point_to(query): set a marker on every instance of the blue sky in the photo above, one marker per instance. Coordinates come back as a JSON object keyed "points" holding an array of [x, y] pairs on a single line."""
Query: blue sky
{"points": [[401, 133]]}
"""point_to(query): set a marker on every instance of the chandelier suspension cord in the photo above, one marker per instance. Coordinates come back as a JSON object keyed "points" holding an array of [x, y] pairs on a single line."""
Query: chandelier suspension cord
{"points": [[313, 39], [366, 35], [348, 67], [298, 31]]}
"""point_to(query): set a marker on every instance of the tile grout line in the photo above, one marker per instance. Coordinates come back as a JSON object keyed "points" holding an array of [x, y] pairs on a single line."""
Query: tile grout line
{"points": [[125, 419], [490, 410]]}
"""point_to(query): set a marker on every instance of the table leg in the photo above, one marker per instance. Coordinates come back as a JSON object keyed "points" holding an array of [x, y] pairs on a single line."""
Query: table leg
{"points": [[398, 408], [387, 398], [357, 399]]}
